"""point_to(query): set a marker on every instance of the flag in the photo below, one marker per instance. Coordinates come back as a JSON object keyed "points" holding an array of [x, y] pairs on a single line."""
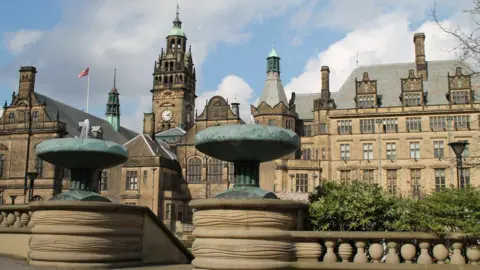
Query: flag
{"points": [[84, 73]]}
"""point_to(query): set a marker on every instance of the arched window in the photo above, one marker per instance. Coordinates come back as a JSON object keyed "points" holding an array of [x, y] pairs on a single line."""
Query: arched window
{"points": [[215, 172], [194, 170]]}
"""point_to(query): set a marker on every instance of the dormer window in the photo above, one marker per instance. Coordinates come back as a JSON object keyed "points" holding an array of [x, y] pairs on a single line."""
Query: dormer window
{"points": [[460, 97], [459, 88], [11, 117], [366, 101], [412, 99], [366, 92]]}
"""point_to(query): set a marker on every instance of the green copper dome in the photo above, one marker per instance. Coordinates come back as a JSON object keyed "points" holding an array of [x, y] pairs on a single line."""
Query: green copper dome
{"points": [[273, 53], [176, 32]]}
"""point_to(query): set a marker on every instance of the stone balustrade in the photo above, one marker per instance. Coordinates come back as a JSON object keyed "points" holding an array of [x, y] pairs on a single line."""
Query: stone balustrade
{"points": [[314, 250], [15, 218]]}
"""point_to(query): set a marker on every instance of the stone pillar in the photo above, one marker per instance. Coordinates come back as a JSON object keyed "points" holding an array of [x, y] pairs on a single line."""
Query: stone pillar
{"points": [[251, 233]]}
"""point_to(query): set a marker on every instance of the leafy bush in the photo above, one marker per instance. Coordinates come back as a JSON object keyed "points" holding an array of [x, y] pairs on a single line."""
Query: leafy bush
{"points": [[367, 207]]}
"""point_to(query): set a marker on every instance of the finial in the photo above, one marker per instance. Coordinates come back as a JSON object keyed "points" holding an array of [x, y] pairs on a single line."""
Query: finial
{"points": [[114, 77], [177, 23], [178, 9], [273, 45], [357, 59], [5, 104]]}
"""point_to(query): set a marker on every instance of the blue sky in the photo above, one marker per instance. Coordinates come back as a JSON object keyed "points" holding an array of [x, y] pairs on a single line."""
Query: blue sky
{"points": [[230, 40]]}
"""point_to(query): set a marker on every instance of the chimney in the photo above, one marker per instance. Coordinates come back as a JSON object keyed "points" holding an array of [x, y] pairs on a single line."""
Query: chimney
{"points": [[236, 109], [325, 93], [149, 124], [421, 63], [26, 82]]}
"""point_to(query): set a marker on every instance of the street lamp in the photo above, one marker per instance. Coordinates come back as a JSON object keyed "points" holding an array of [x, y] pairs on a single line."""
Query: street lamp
{"points": [[31, 176], [458, 148]]}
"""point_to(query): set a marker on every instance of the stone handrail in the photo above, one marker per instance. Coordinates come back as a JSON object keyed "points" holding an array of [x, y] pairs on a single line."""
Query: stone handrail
{"points": [[15, 218], [316, 249]]}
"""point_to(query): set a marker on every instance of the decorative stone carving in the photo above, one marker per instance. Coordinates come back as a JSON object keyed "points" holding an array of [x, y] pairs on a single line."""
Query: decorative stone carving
{"points": [[308, 252], [408, 252], [361, 256], [424, 257], [330, 256], [392, 256], [457, 257], [376, 252], [440, 252], [473, 254], [345, 251]]}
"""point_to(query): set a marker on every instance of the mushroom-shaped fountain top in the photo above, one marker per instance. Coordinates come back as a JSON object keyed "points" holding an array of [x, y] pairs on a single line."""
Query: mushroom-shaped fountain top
{"points": [[84, 157], [246, 146]]}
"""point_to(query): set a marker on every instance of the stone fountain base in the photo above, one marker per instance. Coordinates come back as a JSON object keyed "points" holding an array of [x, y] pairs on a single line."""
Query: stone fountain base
{"points": [[245, 233]]}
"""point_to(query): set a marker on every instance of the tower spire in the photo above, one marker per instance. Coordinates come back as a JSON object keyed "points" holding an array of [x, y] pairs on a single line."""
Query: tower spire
{"points": [[114, 77], [177, 23]]}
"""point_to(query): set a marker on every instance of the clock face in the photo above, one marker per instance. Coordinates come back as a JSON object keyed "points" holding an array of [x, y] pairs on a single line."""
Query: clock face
{"points": [[167, 115]]}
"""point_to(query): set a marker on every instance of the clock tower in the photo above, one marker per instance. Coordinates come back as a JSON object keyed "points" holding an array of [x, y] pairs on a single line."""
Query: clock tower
{"points": [[174, 83]]}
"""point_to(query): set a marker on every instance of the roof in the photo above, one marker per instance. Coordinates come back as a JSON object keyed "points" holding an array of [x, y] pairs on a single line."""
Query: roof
{"points": [[273, 92], [273, 53], [175, 31], [388, 77], [173, 132], [157, 147], [304, 104], [72, 116]]}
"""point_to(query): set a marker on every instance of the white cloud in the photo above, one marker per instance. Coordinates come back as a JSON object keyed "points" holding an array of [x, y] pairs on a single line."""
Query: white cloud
{"points": [[388, 40], [16, 42], [232, 88]]}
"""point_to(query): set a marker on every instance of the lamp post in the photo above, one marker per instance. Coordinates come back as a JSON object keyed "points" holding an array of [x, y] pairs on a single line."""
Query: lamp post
{"points": [[31, 176], [458, 148]]}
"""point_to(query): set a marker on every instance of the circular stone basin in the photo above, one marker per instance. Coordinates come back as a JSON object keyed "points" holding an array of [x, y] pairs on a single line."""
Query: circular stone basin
{"points": [[246, 142], [76, 153]]}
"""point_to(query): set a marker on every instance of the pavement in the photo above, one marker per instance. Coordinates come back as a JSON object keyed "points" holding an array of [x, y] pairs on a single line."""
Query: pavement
{"points": [[8, 263]]}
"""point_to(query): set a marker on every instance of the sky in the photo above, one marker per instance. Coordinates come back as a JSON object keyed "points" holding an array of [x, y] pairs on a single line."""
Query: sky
{"points": [[230, 41]]}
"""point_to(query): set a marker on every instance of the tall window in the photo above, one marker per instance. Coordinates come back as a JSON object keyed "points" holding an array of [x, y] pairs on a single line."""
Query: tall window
{"points": [[194, 170], [414, 124], [131, 182], [35, 116], [460, 97], [439, 179], [366, 101], [465, 181], [415, 178], [344, 126], [231, 173], [301, 181], [391, 151], [215, 171], [2, 165], [392, 181], [11, 117], [412, 99], [307, 154], [345, 176], [415, 150], [104, 181], [390, 124], [438, 149], [39, 167], [368, 176], [307, 130], [345, 151], [367, 125], [438, 122], [461, 121], [367, 151]]}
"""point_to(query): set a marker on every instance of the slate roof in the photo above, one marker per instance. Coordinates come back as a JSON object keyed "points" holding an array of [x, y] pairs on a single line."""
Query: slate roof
{"points": [[157, 147], [273, 92], [388, 82], [388, 78], [72, 116], [173, 132]]}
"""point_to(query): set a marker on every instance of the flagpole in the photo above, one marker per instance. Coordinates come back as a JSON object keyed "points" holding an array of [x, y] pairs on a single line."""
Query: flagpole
{"points": [[88, 86]]}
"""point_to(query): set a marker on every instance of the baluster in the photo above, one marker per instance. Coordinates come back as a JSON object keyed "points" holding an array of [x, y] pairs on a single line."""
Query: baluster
{"points": [[24, 219], [392, 256], [473, 254], [30, 222], [424, 257], [330, 256], [376, 252], [308, 251], [408, 252], [4, 220], [457, 257], [18, 223], [360, 257], [440, 252], [345, 251], [11, 219]]}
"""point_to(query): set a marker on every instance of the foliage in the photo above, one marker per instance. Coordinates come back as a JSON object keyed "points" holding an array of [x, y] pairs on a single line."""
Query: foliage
{"points": [[367, 207]]}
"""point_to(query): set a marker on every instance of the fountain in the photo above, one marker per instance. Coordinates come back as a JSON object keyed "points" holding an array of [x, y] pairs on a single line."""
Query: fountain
{"points": [[245, 227], [84, 156]]}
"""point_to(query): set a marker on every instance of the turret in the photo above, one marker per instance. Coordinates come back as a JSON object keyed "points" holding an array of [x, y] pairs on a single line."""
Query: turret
{"points": [[113, 105]]}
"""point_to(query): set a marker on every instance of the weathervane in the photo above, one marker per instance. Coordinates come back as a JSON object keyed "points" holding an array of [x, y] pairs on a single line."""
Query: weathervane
{"points": [[178, 9]]}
